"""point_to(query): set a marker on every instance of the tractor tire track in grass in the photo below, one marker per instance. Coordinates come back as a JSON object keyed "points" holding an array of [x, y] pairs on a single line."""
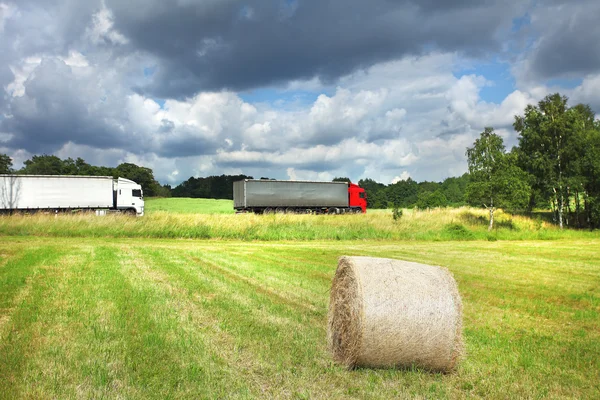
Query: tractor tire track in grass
{"points": [[196, 343], [267, 343], [26, 282]]}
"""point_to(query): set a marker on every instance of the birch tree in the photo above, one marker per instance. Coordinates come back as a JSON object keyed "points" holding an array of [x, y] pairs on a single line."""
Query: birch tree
{"points": [[495, 179], [544, 136]]}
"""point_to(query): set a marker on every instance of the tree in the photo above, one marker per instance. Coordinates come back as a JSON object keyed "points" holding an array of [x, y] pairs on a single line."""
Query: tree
{"points": [[341, 179], [140, 175], [376, 196], [5, 164], [496, 180], [583, 175], [545, 134], [43, 165], [403, 193], [434, 199]]}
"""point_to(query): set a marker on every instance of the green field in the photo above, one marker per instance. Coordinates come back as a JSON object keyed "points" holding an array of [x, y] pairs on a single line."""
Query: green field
{"points": [[187, 205], [118, 312]]}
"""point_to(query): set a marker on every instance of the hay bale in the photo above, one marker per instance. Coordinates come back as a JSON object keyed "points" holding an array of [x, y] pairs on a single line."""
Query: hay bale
{"points": [[392, 313]]}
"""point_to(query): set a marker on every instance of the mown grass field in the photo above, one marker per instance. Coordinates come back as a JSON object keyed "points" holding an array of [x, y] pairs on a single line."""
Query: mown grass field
{"points": [[138, 318], [180, 304]]}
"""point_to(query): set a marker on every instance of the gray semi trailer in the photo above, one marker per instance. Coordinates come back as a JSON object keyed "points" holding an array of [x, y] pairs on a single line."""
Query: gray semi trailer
{"points": [[268, 196]]}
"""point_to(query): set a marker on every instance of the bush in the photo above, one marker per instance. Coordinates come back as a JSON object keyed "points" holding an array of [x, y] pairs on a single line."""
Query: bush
{"points": [[458, 232]]}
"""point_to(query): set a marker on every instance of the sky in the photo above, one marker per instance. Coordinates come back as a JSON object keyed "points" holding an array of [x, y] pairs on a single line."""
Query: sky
{"points": [[287, 89]]}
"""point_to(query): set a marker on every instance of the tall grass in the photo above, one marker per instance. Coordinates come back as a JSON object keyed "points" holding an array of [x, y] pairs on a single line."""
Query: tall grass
{"points": [[434, 225]]}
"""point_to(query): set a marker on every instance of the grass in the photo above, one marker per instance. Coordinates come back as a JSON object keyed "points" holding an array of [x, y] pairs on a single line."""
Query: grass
{"points": [[188, 206], [153, 318], [434, 225]]}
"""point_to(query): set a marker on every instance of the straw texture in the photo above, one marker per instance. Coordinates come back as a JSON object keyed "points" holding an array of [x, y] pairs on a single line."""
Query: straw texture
{"points": [[390, 313]]}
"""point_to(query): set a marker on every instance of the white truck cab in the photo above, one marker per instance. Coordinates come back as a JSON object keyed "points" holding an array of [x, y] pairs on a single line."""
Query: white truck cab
{"points": [[129, 196]]}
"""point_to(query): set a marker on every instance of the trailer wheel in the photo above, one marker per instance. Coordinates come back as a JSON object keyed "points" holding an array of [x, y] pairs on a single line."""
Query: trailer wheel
{"points": [[290, 210], [268, 210], [280, 210]]}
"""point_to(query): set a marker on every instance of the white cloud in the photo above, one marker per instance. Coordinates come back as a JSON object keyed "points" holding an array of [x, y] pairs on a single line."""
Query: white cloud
{"points": [[102, 29], [6, 11], [402, 177]]}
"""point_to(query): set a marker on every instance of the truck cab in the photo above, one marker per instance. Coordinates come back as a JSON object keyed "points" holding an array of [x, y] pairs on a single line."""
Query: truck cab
{"points": [[129, 196], [357, 197]]}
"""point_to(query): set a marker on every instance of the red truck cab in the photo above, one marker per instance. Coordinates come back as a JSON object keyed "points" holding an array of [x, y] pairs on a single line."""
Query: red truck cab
{"points": [[357, 197]]}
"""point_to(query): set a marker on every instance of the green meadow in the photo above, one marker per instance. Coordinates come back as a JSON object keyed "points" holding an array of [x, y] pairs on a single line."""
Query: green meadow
{"points": [[188, 303]]}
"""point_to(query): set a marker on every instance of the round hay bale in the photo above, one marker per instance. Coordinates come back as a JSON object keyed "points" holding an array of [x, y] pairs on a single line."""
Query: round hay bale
{"points": [[392, 313]]}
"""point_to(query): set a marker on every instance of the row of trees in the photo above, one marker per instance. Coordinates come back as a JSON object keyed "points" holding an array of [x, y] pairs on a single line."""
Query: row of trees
{"points": [[406, 194], [53, 165], [410, 193], [556, 164], [212, 187]]}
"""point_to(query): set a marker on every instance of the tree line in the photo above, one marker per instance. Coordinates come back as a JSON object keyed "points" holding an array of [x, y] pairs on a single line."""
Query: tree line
{"points": [[53, 165], [555, 165]]}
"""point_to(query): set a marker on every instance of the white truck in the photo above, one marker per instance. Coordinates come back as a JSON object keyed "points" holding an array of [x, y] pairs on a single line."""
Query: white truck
{"points": [[58, 193]]}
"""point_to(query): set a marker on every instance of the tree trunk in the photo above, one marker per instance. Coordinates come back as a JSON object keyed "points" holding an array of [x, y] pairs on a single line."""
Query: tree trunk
{"points": [[577, 208], [561, 207], [569, 214], [491, 215], [587, 210]]}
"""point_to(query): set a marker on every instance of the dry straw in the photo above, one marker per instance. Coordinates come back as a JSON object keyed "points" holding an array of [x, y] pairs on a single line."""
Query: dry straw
{"points": [[391, 313]]}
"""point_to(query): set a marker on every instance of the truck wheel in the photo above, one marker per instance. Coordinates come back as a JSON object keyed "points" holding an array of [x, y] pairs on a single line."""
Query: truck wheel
{"points": [[280, 210], [290, 210], [268, 210]]}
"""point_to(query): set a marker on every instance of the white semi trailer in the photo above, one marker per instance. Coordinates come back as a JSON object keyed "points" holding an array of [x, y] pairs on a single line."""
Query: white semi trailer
{"points": [[65, 192]]}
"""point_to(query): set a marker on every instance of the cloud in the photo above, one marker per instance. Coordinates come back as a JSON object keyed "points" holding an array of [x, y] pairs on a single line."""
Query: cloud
{"points": [[402, 177], [358, 89], [566, 41], [214, 45]]}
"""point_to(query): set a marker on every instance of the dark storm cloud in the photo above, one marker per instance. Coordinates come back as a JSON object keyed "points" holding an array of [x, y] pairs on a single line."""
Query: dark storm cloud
{"points": [[205, 45], [572, 44], [569, 44], [185, 146], [57, 107]]}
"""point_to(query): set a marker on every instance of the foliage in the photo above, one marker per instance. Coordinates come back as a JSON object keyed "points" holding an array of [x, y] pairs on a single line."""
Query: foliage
{"points": [[212, 187], [495, 179], [5, 164], [341, 179], [397, 213], [427, 199], [53, 165], [559, 147]]}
